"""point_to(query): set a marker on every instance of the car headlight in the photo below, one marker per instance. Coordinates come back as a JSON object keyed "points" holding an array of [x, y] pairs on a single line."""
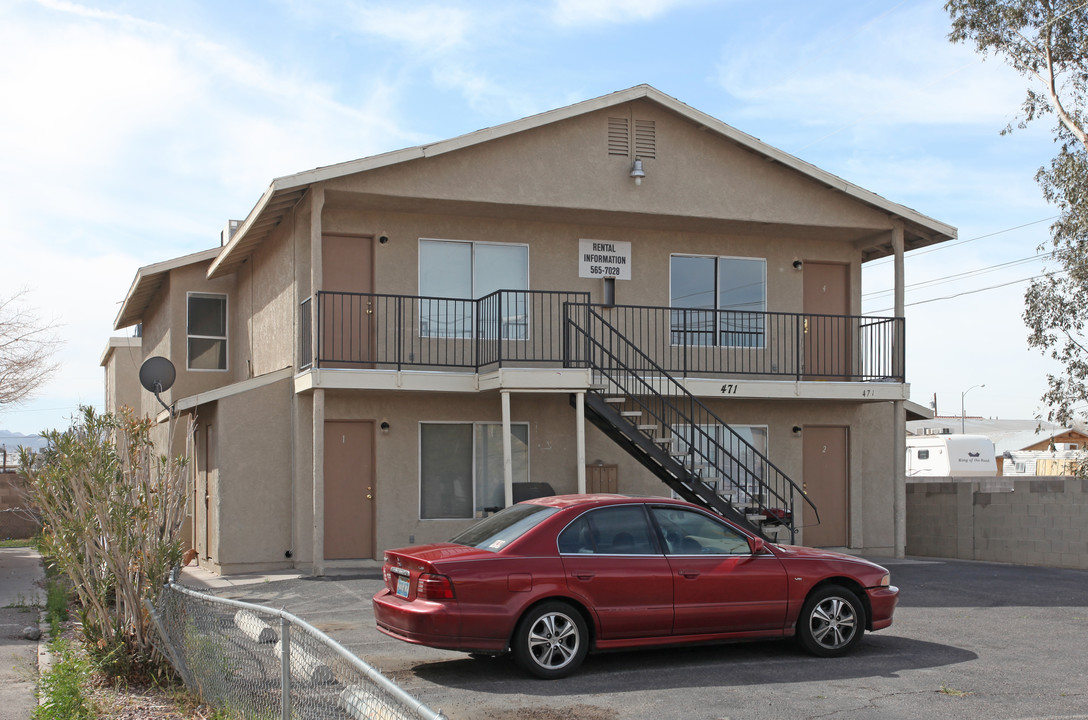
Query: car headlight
{"points": [[886, 581]]}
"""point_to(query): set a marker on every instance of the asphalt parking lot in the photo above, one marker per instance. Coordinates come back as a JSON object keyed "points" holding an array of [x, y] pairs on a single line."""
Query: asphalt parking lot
{"points": [[969, 640]]}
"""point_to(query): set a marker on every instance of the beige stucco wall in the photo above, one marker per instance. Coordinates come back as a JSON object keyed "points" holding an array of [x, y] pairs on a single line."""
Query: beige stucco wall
{"points": [[253, 445], [553, 254], [121, 371], [553, 455], [696, 175], [164, 333]]}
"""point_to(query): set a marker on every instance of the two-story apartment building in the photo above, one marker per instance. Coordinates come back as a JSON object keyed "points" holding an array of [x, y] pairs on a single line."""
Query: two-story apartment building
{"points": [[625, 293]]}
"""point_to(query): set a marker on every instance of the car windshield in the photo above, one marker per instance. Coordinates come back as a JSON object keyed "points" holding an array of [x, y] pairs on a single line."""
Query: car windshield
{"points": [[502, 528]]}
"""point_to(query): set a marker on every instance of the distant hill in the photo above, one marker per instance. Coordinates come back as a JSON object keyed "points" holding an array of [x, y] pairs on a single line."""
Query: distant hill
{"points": [[13, 440]]}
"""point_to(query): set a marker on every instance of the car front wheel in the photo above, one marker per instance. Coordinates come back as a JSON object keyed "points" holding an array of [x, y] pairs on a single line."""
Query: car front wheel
{"points": [[832, 622], [551, 640]]}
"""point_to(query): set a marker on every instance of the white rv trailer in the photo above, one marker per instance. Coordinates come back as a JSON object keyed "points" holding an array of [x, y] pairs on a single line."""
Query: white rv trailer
{"points": [[950, 456]]}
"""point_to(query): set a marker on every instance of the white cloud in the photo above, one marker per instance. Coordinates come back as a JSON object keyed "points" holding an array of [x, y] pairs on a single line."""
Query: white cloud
{"points": [[595, 12], [900, 70], [428, 29]]}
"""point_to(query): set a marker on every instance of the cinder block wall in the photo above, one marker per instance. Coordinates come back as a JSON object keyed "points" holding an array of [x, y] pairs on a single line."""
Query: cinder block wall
{"points": [[1037, 521], [13, 522]]}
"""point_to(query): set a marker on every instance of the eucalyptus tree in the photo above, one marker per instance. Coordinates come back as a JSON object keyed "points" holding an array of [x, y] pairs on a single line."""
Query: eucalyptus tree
{"points": [[1046, 41]]}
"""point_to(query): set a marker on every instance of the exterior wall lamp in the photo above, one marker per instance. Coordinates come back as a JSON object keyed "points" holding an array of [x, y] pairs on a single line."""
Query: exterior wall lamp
{"points": [[797, 264], [637, 172]]}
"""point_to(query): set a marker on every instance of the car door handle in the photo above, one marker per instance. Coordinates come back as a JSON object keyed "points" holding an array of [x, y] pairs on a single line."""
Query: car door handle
{"points": [[690, 574], [583, 575]]}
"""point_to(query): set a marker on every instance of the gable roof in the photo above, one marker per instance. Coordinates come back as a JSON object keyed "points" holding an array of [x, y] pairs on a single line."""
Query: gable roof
{"points": [[147, 282], [285, 192]]}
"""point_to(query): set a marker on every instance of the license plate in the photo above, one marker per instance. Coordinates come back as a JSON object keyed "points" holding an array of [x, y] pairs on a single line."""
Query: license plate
{"points": [[402, 587]]}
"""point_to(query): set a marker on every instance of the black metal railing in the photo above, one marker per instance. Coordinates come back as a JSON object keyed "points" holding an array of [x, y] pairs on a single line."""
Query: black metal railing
{"points": [[507, 327], [710, 450], [687, 341], [512, 327]]}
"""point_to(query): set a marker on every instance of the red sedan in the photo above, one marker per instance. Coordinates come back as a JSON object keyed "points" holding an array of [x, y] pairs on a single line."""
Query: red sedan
{"points": [[553, 578]]}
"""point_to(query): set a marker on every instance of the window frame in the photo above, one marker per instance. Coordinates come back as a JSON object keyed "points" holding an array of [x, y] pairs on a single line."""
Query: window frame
{"points": [[719, 334], [475, 464], [468, 305], [225, 338], [719, 430]]}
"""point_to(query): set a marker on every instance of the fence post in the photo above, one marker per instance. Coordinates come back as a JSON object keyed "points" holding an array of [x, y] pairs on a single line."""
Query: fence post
{"points": [[285, 669], [182, 668]]}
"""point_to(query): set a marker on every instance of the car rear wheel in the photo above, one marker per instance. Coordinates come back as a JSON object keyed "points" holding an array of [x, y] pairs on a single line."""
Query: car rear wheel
{"points": [[832, 622], [551, 640]]}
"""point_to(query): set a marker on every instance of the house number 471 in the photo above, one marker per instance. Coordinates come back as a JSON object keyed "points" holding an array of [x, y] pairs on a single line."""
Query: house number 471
{"points": [[730, 389]]}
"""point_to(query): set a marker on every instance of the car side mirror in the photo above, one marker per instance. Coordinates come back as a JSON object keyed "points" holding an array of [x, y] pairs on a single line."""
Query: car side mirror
{"points": [[756, 545]]}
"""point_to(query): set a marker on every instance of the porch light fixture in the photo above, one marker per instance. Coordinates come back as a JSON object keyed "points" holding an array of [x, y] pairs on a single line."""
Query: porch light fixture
{"points": [[796, 429], [384, 426], [637, 172], [797, 264]]}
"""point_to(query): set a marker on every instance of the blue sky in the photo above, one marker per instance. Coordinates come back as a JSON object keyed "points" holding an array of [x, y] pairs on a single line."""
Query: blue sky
{"points": [[130, 132]]}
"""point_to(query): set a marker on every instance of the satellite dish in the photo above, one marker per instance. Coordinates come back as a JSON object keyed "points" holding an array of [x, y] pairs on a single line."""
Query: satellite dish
{"points": [[157, 375]]}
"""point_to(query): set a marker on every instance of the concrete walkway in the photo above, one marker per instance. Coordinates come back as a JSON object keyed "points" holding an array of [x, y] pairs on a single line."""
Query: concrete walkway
{"points": [[21, 598]]}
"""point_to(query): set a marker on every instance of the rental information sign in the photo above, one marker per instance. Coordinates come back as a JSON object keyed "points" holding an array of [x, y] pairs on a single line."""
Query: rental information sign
{"points": [[604, 259]]}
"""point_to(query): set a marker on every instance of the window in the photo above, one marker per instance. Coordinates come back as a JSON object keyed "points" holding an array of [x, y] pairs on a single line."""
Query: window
{"points": [[498, 531], [739, 461], [923, 454], [206, 328], [688, 532], [718, 300], [621, 530], [460, 469], [452, 274]]}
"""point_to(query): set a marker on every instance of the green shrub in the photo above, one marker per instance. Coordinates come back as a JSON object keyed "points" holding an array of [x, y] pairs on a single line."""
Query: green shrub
{"points": [[112, 507], [62, 688]]}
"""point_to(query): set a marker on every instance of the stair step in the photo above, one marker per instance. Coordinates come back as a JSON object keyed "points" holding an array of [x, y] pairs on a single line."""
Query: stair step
{"points": [[631, 413], [648, 428], [615, 400]]}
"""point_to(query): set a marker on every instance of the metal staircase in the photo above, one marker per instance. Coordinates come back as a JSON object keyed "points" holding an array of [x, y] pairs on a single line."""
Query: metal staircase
{"points": [[661, 424]]}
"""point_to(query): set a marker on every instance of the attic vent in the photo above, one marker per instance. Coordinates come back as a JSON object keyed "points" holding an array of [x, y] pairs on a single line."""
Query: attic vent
{"points": [[619, 136], [645, 139]]}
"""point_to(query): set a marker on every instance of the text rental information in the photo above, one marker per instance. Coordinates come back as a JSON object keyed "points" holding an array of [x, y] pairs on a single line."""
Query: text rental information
{"points": [[600, 247]]}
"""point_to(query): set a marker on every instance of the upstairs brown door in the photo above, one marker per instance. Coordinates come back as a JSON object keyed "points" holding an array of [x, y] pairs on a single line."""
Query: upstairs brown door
{"points": [[827, 334], [349, 490], [826, 473], [348, 314]]}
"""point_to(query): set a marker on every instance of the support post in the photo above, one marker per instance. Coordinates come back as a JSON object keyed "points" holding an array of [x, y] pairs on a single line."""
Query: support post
{"points": [[507, 451], [899, 421], [285, 669], [319, 482], [580, 435]]}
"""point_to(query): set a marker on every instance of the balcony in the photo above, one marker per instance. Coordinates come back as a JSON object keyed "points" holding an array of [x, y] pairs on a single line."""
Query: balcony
{"points": [[511, 328]]}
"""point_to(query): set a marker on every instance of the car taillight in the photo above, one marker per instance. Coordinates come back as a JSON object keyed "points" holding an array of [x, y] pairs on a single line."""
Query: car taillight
{"points": [[434, 587]]}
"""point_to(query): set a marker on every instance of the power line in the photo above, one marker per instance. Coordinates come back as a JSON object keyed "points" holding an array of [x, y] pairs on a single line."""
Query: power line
{"points": [[945, 246], [969, 292], [963, 275]]}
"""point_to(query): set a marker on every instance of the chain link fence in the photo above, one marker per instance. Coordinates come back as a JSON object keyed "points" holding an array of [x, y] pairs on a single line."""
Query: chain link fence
{"points": [[266, 663]]}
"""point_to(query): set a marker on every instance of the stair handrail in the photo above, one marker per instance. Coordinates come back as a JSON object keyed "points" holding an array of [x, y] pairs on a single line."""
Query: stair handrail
{"points": [[692, 424]]}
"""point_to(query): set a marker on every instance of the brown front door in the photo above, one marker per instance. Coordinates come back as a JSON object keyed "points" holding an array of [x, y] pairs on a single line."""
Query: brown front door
{"points": [[347, 316], [349, 490], [827, 482], [826, 322]]}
